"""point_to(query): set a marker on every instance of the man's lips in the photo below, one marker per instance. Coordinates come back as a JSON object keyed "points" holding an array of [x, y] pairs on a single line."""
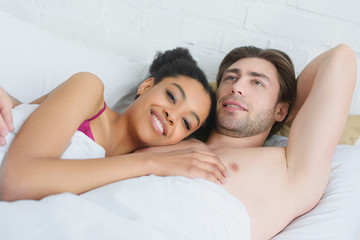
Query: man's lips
{"points": [[158, 123], [234, 106]]}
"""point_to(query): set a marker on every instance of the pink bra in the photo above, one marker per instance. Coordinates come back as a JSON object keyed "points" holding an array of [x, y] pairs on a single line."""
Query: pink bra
{"points": [[85, 126]]}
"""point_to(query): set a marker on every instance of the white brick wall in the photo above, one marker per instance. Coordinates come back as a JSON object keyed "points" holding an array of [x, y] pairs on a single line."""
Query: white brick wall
{"points": [[209, 28]]}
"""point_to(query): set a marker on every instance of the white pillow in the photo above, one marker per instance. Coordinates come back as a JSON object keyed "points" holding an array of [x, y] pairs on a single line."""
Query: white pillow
{"points": [[33, 61], [337, 216]]}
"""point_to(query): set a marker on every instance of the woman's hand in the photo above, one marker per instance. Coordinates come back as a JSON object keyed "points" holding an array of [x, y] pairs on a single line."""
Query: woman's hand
{"points": [[191, 159], [6, 120]]}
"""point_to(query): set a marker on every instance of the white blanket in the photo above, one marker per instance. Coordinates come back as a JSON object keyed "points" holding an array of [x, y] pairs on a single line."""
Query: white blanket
{"points": [[148, 207]]}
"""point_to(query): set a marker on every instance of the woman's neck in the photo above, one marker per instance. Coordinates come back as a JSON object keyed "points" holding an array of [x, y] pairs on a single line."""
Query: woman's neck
{"points": [[122, 139]]}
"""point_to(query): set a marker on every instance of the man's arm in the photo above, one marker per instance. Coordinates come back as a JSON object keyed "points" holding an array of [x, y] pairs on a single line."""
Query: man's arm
{"points": [[325, 89]]}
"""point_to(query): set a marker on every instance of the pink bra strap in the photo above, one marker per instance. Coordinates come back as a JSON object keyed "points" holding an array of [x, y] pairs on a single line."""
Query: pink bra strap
{"points": [[99, 113]]}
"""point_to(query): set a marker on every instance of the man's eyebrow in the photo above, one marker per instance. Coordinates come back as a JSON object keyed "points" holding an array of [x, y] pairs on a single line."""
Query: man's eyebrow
{"points": [[181, 90], [232, 70], [261, 75], [251, 73]]}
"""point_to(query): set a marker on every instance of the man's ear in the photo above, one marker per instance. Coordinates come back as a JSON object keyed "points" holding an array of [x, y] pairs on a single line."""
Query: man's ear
{"points": [[146, 85], [281, 111]]}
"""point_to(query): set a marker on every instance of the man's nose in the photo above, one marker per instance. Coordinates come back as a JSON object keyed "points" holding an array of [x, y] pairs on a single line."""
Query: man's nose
{"points": [[238, 87]]}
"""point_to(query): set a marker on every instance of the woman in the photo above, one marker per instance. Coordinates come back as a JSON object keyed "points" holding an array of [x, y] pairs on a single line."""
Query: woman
{"points": [[170, 105]]}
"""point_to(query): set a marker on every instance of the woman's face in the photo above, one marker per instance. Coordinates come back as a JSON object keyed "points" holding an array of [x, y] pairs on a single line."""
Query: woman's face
{"points": [[169, 111]]}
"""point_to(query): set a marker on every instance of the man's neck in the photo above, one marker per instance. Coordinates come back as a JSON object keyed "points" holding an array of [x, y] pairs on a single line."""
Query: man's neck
{"points": [[217, 140]]}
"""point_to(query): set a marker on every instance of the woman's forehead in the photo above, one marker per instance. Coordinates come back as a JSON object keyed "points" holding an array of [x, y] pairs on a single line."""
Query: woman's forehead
{"points": [[184, 83]]}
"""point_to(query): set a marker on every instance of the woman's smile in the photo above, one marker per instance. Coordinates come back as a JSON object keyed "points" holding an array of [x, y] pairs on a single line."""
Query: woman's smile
{"points": [[158, 123]]}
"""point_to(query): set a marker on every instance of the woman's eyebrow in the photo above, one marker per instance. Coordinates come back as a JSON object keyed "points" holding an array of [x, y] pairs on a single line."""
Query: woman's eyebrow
{"points": [[196, 116], [181, 90]]}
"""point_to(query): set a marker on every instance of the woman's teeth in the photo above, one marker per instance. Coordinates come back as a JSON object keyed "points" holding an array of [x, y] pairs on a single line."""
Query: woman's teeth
{"points": [[158, 123]]}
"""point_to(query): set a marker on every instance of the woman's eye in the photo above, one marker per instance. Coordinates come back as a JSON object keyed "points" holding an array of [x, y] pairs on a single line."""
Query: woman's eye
{"points": [[171, 96], [186, 124]]}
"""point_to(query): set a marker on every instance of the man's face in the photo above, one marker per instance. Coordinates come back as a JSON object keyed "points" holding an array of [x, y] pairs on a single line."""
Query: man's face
{"points": [[247, 98]]}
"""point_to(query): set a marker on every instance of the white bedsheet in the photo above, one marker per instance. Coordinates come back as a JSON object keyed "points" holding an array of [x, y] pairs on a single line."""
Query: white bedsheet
{"points": [[148, 207]]}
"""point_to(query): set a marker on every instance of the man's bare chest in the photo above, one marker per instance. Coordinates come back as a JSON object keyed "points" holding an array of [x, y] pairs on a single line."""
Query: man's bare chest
{"points": [[254, 172], [259, 179]]}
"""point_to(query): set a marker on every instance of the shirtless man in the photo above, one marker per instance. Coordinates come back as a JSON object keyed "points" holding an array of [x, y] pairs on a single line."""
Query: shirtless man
{"points": [[278, 184]]}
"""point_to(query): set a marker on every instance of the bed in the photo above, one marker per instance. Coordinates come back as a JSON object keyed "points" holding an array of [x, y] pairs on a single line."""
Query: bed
{"points": [[33, 61]]}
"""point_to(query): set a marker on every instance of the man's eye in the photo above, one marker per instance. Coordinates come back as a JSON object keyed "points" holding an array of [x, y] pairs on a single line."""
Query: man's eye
{"points": [[186, 124], [231, 78], [258, 83], [171, 96]]}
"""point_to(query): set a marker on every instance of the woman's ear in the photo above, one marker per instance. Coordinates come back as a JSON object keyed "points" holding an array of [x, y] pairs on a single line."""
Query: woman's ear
{"points": [[146, 85], [281, 111]]}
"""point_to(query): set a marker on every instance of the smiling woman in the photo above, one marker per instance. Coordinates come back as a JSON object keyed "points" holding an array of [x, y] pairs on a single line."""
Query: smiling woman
{"points": [[171, 104], [168, 111]]}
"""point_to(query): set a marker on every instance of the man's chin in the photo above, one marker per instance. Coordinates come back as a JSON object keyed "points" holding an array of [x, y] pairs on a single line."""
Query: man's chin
{"points": [[228, 131]]}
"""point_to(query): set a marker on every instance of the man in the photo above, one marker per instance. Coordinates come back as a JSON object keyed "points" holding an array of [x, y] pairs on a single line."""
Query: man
{"points": [[277, 184]]}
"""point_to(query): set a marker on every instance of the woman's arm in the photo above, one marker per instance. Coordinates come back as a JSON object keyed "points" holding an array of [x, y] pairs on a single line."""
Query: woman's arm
{"points": [[324, 96], [47, 131], [7, 103], [33, 168]]}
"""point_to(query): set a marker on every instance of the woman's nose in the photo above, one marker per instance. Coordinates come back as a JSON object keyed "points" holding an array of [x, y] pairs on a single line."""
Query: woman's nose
{"points": [[168, 117]]}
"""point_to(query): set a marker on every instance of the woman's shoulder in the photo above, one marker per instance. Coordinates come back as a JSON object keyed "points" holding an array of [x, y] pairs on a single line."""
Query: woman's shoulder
{"points": [[88, 79], [85, 88]]}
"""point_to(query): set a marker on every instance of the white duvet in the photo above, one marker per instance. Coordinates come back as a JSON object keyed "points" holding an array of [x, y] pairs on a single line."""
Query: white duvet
{"points": [[148, 207]]}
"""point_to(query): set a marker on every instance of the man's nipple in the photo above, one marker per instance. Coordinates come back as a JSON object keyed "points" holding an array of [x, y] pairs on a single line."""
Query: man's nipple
{"points": [[234, 167]]}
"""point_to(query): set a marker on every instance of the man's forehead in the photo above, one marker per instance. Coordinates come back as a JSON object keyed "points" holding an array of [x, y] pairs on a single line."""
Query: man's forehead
{"points": [[258, 65], [253, 62]]}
